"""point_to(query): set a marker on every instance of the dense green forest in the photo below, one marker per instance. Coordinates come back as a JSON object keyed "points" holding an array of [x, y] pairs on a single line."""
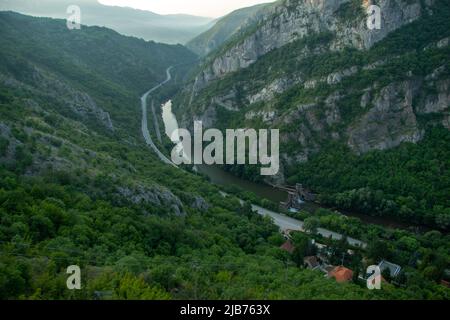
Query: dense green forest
{"points": [[75, 192], [410, 182]]}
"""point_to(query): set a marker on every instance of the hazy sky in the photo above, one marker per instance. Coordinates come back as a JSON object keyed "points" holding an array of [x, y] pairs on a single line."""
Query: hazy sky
{"points": [[205, 8]]}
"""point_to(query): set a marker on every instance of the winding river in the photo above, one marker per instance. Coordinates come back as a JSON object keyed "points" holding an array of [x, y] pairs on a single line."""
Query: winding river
{"points": [[221, 177]]}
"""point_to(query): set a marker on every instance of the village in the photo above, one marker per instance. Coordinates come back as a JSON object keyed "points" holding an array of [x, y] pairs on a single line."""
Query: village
{"points": [[323, 257]]}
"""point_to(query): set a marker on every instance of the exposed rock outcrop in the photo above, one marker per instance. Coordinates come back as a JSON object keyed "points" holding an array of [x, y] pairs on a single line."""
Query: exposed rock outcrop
{"points": [[390, 122], [80, 102], [42, 82], [329, 90], [156, 196], [200, 204], [291, 20]]}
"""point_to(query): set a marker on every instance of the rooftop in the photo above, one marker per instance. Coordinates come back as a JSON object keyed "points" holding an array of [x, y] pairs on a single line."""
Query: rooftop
{"points": [[341, 274], [288, 246], [394, 269]]}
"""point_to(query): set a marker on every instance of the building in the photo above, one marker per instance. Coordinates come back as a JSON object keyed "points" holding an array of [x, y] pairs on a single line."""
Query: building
{"points": [[297, 197], [293, 203], [305, 194], [341, 274], [312, 262], [288, 246], [394, 269]]}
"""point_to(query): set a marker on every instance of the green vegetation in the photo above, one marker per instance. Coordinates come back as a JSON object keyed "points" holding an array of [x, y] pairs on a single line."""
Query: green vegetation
{"points": [[424, 257], [410, 183], [74, 192], [349, 10], [224, 29]]}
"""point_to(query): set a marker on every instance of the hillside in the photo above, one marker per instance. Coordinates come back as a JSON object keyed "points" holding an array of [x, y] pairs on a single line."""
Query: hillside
{"points": [[224, 29], [172, 29], [78, 186], [363, 114]]}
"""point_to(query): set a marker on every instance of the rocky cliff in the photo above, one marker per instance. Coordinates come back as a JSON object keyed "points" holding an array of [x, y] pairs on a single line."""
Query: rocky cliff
{"points": [[225, 28], [316, 71]]}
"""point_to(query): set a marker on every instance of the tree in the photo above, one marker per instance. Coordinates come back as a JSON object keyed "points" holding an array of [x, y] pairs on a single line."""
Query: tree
{"points": [[302, 247], [378, 250], [132, 288], [311, 225]]}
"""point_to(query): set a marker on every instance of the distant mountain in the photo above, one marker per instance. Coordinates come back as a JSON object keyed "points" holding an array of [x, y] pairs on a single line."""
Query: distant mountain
{"points": [[79, 186], [170, 29], [90, 73], [225, 28], [77, 182]]}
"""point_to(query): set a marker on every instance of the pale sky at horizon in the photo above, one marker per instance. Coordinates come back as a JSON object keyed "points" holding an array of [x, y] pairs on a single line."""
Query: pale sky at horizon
{"points": [[204, 8]]}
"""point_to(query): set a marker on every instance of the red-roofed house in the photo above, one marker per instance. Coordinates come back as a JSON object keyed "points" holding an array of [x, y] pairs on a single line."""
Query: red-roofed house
{"points": [[341, 274], [288, 246]]}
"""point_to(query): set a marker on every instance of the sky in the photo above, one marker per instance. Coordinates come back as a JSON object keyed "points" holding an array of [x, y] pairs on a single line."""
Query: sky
{"points": [[204, 8]]}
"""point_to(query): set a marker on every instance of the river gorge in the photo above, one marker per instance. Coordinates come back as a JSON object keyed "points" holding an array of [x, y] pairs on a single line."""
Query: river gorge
{"points": [[221, 177]]}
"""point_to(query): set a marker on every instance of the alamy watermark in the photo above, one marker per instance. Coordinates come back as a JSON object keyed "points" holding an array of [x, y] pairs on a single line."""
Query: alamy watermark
{"points": [[374, 17], [374, 279], [74, 280], [241, 145], [74, 18]]}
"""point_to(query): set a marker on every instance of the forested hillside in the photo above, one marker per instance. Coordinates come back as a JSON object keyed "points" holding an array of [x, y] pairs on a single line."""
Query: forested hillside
{"points": [[78, 186], [172, 29], [360, 112], [224, 29]]}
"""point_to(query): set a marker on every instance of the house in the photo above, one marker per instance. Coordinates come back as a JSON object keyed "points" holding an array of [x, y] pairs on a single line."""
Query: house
{"points": [[312, 262], [288, 246], [341, 274], [394, 269]]}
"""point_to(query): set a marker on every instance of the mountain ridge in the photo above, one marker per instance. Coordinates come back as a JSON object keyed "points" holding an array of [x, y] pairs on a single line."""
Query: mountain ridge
{"points": [[315, 71], [76, 191], [145, 24], [224, 29]]}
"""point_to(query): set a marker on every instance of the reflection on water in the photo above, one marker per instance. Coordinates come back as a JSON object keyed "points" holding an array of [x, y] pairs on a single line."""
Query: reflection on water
{"points": [[217, 175], [170, 121], [221, 177], [171, 126]]}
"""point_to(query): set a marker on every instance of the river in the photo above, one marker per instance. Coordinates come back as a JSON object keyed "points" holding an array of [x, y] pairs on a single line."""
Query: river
{"points": [[221, 177]]}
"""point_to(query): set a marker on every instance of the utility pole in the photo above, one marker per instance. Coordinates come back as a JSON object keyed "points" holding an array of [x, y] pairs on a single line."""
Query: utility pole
{"points": [[343, 259], [195, 267]]}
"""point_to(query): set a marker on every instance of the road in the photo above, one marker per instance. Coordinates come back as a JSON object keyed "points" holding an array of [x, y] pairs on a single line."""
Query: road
{"points": [[282, 221], [288, 223], [145, 132]]}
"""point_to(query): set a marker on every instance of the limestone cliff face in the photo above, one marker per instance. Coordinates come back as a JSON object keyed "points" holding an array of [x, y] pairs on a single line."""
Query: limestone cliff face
{"points": [[389, 117], [351, 102], [389, 122], [56, 88], [291, 20]]}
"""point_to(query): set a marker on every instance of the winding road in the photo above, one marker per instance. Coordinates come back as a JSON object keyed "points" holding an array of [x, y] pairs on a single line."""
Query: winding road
{"points": [[287, 223], [145, 132], [282, 221]]}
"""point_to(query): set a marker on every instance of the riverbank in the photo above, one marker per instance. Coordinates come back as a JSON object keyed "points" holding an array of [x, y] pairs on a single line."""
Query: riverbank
{"points": [[284, 222], [272, 193]]}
